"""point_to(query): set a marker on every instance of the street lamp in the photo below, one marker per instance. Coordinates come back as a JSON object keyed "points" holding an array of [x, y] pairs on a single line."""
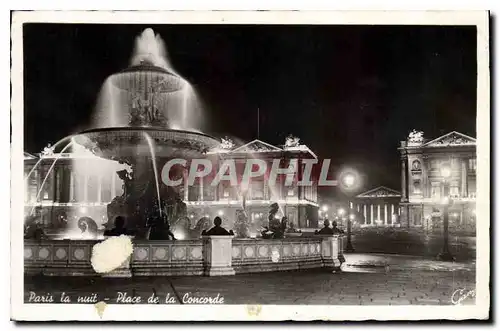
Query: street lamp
{"points": [[445, 254], [349, 180], [349, 248], [324, 208]]}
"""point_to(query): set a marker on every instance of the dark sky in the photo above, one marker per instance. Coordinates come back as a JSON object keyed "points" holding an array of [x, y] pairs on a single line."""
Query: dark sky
{"points": [[351, 93]]}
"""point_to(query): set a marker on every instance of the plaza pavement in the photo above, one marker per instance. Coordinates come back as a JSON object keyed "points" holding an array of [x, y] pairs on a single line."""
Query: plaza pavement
{"points": [[366, 279]]}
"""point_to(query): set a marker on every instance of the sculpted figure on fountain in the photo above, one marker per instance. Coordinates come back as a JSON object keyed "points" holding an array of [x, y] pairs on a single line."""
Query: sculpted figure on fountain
{"points": [[276, 228]]}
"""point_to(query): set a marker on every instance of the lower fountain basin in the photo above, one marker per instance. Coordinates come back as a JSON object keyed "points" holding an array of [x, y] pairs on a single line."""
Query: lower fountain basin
{"points": [[116, 142]]}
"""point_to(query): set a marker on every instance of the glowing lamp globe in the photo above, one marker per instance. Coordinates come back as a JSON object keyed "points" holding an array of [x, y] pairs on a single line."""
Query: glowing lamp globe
{"points": [[349, 180]]}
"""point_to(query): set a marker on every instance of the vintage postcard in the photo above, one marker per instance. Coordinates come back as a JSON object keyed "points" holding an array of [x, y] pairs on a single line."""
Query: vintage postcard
{"points": [[250, 166]]}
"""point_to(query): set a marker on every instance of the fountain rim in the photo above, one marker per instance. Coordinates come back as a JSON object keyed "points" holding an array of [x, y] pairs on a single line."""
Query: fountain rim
{"points": [[147, 66], [134, 128], [142, 128]]}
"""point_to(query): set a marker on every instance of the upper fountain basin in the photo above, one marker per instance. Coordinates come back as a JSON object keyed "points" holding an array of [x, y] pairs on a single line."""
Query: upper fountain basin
{"points": [[118, 142], [146, 77]]}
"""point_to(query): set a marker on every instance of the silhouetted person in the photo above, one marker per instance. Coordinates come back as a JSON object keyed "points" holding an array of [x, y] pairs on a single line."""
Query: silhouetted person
{"points": [[34, 226], [217, 229], [119, 228], [160, 229], [326, 229], [335, 229]]}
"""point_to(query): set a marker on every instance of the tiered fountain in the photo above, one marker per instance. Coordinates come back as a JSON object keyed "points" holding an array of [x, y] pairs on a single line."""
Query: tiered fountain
{"points": [[139, 97]]}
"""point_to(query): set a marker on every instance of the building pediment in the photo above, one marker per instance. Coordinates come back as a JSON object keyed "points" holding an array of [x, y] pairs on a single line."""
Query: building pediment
{"points": [[28, 156], [380, 192], [256, 146], [451, 139]]}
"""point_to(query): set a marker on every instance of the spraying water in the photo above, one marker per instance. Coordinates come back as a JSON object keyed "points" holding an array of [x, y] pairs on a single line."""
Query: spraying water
{"points": [[48, 173], [150, 85], [151, 48], [41, 159], [109, 103], [155, 169]]}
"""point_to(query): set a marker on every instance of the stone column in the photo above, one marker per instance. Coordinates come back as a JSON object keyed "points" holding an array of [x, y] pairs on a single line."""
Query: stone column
{"points": [[371, 214], [331, 252], [99, 188], [86, 183], [71, 185], [185, 183], [463, 177], [85, 188], [365, 214], [385, 213], [200, 196], [57, 184], [378, 212], [403, 178], [113, 185], [218, 255], [392, 212]]}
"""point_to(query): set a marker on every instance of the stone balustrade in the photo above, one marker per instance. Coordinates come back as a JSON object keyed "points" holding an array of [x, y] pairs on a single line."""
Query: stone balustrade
{"points": [[211, 256]]}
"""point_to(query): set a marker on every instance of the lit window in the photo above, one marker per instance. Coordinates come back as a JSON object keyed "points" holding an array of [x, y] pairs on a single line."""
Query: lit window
{"points": [[257, 190], [472, 164], [226, 193], [436, 191], [454, 191], [416, 187]]}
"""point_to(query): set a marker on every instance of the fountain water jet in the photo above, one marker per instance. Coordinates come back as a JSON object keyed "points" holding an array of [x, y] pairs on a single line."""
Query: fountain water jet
{"points": [[49, 173], [151, 48], [140, 105], [41, 159], [155, 169]]}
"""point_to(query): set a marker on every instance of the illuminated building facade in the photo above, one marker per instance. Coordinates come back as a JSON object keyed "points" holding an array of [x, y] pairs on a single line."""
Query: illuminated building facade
{"points": [[82, 185], [379, 207], [424, 185]]}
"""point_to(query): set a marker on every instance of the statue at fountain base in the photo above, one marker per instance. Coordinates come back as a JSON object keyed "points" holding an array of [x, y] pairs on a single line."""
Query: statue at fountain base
{"points": [[146, 208]]}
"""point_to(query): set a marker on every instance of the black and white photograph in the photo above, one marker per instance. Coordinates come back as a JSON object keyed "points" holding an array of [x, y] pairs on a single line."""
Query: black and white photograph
{"points": [[250, 167]]}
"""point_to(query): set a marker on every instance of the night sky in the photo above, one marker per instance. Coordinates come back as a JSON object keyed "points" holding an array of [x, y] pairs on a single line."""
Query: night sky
{"points": [[350, 93]]}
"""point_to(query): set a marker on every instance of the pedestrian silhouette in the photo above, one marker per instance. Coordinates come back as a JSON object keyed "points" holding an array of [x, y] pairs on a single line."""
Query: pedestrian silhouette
{"points": [[217, 229]]}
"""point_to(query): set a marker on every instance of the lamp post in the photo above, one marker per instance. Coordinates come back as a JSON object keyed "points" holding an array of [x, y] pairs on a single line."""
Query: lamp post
{"points": [[349, 182], [349, 248], [445, 254]]}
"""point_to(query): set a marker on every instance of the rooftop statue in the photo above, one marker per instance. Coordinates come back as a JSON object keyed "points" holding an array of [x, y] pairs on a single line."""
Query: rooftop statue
{"points": [[48, 150], [292, 141], [227, 143], [415, 138]]}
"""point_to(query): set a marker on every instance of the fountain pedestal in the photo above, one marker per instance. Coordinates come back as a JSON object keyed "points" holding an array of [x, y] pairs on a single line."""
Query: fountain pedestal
{"points": [[331, 251], [218, 255]]}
